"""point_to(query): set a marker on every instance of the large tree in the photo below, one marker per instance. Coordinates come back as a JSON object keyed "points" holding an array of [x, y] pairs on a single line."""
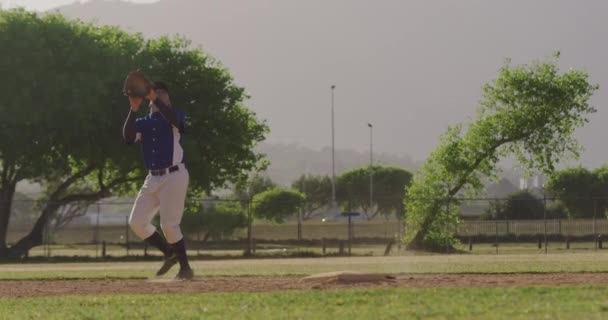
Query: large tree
{"points": [[214, 219], [66, 114], [520, 205], [583, 192], [245, 190], [353, 189], [529, 112], [277, 204], [317, 190]]}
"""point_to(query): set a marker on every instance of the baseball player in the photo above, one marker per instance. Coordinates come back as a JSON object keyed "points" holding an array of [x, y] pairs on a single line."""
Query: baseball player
{"points": [[159, 134]]}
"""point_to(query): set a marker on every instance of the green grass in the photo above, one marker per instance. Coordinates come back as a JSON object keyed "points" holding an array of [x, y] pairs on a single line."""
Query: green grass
{"points": [[460, 263], [571, 302], [564, 302]]}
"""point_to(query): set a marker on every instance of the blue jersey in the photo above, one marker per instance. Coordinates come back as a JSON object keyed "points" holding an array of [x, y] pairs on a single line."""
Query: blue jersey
{"points": [[161, 141]]}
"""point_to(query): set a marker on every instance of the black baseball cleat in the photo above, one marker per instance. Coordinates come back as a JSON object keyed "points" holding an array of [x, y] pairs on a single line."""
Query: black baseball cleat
{"points": [[167, 264], [184, 274]]}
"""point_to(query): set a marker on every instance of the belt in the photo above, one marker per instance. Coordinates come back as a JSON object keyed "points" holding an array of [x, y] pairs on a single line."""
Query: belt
{"points": [[162, 172]]}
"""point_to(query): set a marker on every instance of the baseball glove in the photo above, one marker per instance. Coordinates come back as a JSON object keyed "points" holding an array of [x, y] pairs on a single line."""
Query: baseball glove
{"points": [[136, 84]]}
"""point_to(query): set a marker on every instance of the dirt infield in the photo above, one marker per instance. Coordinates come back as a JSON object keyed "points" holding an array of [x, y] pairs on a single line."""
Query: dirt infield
{"points": [[30, 288]]}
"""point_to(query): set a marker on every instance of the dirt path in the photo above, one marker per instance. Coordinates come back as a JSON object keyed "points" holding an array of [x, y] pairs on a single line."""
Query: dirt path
{"points": [[29, 288]]}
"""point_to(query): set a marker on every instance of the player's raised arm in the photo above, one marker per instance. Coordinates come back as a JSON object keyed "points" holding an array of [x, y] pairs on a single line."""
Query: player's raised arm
{"points": [[160, 97], [129, 131]]}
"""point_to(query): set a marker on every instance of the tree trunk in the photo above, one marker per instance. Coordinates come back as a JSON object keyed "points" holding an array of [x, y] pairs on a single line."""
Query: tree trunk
{"points": [[299, 226], [36, 235], [418, 243], [6, 201]]}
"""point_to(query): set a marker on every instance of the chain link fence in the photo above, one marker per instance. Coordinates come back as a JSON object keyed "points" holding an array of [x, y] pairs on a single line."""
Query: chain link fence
{"points": [[101, 230]]}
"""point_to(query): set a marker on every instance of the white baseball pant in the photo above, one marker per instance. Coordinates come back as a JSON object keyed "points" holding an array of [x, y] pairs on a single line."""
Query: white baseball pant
{"points": [[167, 193]]}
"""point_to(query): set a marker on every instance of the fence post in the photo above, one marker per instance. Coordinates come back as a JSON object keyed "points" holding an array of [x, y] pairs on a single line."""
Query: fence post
{"points": [[103, 249], [350, 234], [496, 233], [399, 231], [198, 245], [402, 222], [300, 223], [127, 235], [45, 248], [595, 223], [545, 219], [470, 243], [447, 246], [48, 238], [324, 245], [249, 229], [97, 237]]}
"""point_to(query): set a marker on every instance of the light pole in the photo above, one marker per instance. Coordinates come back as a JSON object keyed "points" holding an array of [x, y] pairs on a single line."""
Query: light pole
{"points": [[333, 152], [371, 167]]}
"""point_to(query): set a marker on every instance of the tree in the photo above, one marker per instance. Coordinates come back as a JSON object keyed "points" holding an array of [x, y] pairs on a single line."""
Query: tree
{"points": [[216, 220], [72, 143], [316, 189], [353, 189], [524, 205], [521, 205], [245, 190], [601, 193], [255, 185], [582, 192], [277, 204], [46, 136], [529, 112]]}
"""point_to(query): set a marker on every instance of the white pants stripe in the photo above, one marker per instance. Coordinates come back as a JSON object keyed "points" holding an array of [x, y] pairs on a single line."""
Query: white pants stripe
{"points": [[166, 193]]}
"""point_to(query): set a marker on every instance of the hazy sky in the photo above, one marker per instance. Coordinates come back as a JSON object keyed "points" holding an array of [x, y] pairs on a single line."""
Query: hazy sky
{"points": [[409, 67], [41, 5]]}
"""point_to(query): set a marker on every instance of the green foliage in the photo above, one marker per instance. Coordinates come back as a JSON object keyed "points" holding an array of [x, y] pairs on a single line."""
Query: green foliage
{"points": [[582, 192], [317, 190], [529, 112], [353, 189], [254, 186], [277, 204], [67, 110], [214, 219], [520, 205]]}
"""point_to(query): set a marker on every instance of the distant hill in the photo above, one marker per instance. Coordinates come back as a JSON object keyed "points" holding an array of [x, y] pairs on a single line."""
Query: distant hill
{"points": [[288, 162]]}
